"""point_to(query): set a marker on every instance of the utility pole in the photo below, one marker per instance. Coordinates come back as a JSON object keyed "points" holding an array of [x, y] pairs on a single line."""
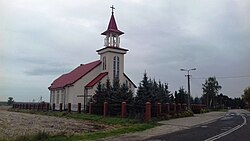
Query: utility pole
{"points": [[188, 76]]}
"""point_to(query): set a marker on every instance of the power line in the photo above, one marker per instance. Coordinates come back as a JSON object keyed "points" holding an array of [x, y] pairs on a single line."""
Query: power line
{"points": [[223, 77]]}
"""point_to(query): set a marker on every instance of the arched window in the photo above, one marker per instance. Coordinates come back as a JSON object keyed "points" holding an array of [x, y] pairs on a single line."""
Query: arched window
{"points": [[57, 97], [104, 63], [116, 67]]}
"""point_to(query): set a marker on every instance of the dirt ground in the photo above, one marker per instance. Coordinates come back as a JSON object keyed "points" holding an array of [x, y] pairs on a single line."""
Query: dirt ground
{"points": [[14, 124]]}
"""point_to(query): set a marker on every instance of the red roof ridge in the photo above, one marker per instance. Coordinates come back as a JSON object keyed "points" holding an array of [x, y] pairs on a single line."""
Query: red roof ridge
{"points": [[73, 76], [96, 80]]}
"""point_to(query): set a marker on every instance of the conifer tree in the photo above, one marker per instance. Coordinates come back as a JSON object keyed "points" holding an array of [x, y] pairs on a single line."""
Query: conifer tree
{"points": [[99, 96], [143, 91], [167, 93], [171, 98], [126, 94], [107, 90], [181, 96]]}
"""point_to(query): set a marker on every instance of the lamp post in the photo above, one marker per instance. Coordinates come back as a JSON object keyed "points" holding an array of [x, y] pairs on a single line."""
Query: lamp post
{"points": [[188, 76]]}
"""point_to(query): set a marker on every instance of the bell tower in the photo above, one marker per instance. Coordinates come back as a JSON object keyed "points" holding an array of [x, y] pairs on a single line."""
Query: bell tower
{"points": [[112, 33], [112, 55]]}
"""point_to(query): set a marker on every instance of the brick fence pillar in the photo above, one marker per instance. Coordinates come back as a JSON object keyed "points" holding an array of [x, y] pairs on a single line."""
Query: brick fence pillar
{"points": [[174, 105], [47, 106], [38, 107], [61, 107], [79, 108], [179, 107], [158, 109], [148, 112], [167, 108], [42, 106], [31, 106], [90, 107], [123, 110], [69, 107], [105, 108], [184, 106], [34, 106], [53, 107]]}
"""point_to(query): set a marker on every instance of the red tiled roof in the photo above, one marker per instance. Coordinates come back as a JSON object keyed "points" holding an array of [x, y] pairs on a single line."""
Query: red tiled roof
{"points": [[71, 77], [96, 80], [112, 27]]}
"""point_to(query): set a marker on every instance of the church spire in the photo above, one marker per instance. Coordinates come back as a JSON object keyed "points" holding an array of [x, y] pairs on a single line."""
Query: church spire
{"points": [[112, 27], [112, 33]]}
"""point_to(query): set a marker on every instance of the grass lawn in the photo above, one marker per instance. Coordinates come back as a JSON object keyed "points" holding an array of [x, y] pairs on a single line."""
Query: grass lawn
{"points": [[122, 126]]}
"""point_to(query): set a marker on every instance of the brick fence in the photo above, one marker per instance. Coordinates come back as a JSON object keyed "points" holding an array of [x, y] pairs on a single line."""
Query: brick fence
{"points": [[159, 108]]}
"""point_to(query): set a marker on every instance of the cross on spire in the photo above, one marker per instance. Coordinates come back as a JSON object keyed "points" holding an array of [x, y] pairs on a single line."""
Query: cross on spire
{"points": [[112, 7]]}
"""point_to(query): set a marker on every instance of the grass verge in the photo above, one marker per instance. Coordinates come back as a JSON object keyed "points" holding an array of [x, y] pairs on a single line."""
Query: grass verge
{"points": [[123, 126], [104, 134]]}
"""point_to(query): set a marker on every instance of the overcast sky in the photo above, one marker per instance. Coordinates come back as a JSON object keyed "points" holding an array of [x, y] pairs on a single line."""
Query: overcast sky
{"points": [[42, 39]]}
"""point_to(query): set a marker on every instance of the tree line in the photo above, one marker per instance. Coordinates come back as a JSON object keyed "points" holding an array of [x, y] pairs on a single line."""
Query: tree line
{"points": [[149, 90]]}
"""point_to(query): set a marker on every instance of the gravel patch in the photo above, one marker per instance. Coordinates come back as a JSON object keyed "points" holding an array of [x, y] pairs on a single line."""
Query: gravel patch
{"points": [[14, 124]]}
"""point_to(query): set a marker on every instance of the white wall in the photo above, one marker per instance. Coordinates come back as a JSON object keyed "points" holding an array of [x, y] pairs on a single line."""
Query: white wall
{"points": [[76, 92]]}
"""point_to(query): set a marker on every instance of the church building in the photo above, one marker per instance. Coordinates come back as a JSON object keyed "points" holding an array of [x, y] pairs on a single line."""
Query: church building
{"points": [[79, 85]]}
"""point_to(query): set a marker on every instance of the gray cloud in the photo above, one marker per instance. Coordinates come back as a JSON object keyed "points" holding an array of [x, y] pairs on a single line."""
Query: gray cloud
{"points": [[46, 71]]}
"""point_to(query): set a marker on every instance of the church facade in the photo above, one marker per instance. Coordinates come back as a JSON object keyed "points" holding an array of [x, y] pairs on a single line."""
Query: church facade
{"points": [[79, 85]]}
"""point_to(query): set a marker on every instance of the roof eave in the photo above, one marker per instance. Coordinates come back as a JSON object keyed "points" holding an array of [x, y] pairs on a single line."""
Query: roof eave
{"points": [[130, 80], [112, 31]]}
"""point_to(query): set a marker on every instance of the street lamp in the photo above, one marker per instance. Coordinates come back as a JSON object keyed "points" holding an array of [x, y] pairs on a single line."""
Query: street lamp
{"points": [[188, 76]]}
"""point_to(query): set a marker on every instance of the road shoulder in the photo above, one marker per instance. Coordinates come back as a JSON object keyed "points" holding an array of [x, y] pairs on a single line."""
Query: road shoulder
{"points": [[170, 126]]}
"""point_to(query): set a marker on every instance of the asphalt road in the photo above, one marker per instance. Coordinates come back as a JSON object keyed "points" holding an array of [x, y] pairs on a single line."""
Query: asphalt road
{"points": [[232, 127]]}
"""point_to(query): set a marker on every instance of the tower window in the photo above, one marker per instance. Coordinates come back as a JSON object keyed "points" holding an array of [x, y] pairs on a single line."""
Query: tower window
{"points": [[116, 67], [104, 63]]}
